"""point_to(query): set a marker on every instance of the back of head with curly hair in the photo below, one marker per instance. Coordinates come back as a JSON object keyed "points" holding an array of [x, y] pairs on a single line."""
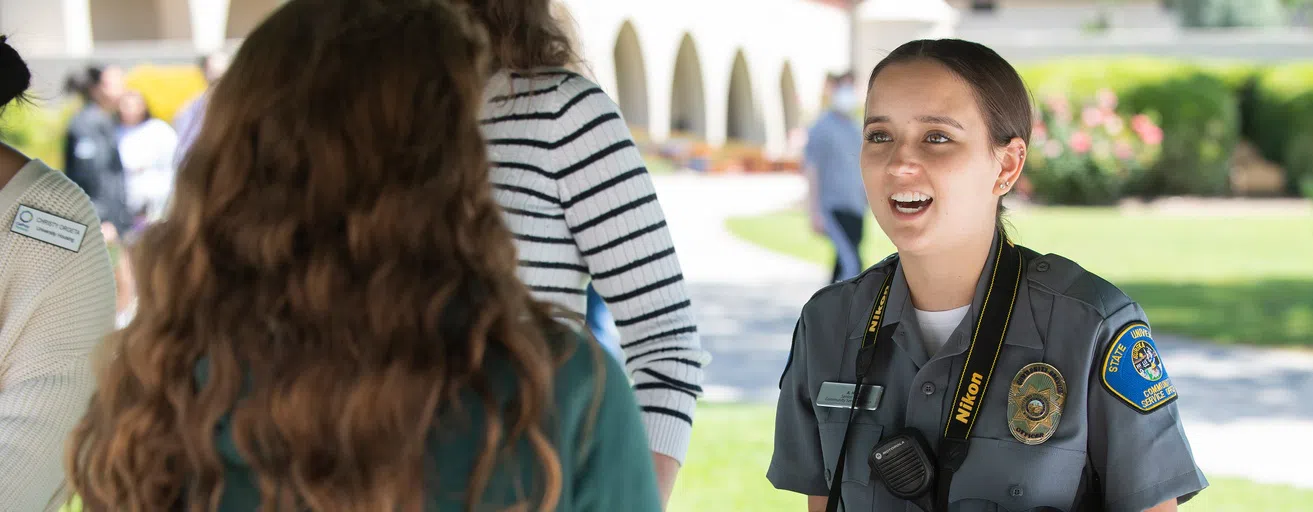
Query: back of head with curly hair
{"points": [[333, 274]]}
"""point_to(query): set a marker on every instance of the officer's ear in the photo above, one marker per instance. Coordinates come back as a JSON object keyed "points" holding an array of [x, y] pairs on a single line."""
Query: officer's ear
{"points": [[1011, 159]]}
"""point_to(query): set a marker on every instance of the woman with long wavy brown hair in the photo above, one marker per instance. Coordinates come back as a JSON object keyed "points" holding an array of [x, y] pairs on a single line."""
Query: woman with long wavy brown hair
{"points": [[329, 316]]}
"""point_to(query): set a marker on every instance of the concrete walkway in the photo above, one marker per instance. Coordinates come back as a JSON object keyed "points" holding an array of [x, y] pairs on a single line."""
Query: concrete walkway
{"points": [[1248, 411]]}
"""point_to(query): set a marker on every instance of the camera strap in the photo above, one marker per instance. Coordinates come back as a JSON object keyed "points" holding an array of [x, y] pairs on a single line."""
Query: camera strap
{"points": [[986, 344]]}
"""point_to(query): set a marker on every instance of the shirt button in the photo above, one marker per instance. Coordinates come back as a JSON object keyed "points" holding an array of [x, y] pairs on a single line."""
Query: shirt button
{"points": [[827, 476], [1043, 266], [928, 388], [1016, 491]]}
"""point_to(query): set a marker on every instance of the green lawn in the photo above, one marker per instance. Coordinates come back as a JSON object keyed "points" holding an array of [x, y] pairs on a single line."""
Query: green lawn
{"points": [[726, 470], [1229, 279]]}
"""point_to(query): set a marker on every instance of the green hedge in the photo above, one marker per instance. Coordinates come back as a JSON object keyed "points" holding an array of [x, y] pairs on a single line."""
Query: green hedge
{"points": [[37, 130], [1197, 107], [1281, 123]]}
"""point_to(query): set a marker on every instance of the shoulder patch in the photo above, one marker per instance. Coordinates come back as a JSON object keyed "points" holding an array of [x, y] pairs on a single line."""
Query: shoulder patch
{"points": [[1134, 372]]}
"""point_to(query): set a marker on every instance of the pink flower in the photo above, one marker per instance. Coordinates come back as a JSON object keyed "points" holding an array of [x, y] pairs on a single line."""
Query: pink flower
{"points": [[1106, 99], [1139, 122], [1080, 142], [1091, 116], [1152, 135], [1149, 133], [1123, 150]]}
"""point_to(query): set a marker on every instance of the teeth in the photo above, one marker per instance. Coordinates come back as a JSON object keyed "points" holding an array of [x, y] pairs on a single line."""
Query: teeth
{"points": [[909, 197], [904, 209]]}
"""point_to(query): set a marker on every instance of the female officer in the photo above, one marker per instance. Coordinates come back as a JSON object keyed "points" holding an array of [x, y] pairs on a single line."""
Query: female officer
{"points": [[987, 376]]}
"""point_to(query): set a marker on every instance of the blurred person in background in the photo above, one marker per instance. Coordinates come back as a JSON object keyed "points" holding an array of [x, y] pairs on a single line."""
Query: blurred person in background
{"points": [[967, 373], [582, 207], [187, 121], [836, 201], [329, 315], [93, 162], [56, 304], [91, 152], [146, 147]]}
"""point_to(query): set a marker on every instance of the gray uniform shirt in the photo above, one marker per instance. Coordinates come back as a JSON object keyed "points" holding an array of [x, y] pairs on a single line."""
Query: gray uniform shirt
{"points": [[1064, 316]]}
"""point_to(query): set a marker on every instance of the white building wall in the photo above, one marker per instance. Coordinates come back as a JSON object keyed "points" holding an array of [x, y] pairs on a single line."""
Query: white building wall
{"points": [[812, 36], [53, 27]]}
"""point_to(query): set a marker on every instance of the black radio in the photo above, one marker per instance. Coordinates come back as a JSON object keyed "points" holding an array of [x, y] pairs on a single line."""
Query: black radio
{"points": [[906, 466]]}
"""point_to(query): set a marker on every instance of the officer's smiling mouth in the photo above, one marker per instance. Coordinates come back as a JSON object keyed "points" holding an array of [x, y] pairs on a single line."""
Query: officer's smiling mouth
{"points": [[910, 203]]}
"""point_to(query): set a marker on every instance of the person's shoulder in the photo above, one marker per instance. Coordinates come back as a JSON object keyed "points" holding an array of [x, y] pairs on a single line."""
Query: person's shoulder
{"points": [[572, 90], [836, 295], [582, 368], [158, 125], [1065, 278], [52, 192], [822, 126], [592, 391]]}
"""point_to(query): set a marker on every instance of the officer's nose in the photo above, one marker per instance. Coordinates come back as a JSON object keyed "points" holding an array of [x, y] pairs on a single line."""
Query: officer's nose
{"points": [[903, 161]]}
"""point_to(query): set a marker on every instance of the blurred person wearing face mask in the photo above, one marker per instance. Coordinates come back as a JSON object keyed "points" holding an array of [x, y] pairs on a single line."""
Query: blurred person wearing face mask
{"points": [[836, 201]]}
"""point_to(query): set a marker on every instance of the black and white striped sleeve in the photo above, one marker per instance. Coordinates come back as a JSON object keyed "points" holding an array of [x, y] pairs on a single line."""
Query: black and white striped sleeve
{"points": [[612, 212]]}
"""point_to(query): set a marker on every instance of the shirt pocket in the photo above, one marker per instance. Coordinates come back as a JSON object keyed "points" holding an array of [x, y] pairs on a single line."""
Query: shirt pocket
{"points": [[862, 438], [1013, 477]]}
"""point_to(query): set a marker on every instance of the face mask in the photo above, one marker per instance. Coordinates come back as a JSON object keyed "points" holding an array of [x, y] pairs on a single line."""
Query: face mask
{"points": [[844, 99]]}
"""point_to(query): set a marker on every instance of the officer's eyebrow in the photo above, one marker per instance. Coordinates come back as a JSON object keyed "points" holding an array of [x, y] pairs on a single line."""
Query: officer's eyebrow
{"points": [[944, 120]]}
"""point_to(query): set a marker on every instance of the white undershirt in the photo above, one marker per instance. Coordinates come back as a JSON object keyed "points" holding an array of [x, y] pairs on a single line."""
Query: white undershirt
{"points": [[937, 326]]}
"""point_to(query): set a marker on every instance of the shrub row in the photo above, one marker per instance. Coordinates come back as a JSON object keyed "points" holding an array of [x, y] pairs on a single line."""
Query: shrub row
{"points": [[1203, 108]]}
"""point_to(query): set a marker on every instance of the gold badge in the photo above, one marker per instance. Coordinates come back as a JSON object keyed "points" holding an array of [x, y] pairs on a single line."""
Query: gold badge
{"points": [[1035, 403]]}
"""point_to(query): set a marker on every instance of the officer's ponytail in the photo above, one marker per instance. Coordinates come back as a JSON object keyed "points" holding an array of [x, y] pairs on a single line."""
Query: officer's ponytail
{"points": [[15, 77]]}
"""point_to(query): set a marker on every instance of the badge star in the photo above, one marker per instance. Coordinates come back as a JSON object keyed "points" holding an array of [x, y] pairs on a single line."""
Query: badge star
{"points": [[1030, 390]]}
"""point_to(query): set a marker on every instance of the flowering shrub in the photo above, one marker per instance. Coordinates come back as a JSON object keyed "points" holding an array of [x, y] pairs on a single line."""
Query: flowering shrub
{"points": [[1087, 154]]}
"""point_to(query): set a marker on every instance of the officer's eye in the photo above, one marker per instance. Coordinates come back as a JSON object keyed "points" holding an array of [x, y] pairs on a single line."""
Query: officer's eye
{"points": [[937, 138], [877, 137]]}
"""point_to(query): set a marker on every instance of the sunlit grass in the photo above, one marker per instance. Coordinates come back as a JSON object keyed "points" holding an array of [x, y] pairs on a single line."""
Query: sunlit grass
{"points": [[1243, 279], [732, 444]]}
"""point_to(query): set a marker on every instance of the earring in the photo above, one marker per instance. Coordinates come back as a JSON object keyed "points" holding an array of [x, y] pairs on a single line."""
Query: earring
{"points": [[1003, 185]]}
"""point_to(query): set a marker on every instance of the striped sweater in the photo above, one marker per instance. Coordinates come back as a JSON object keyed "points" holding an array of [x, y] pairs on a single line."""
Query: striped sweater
{"points": [[582, 207]]}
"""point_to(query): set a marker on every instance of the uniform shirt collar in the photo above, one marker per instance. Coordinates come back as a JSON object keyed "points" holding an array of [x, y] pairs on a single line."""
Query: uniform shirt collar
{"points": [[1022, 330]]}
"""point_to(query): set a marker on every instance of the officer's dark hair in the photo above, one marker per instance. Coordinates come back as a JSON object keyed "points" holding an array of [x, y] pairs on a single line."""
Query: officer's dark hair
{"points": [[1000, 92], [15, 77], [84, 81]]}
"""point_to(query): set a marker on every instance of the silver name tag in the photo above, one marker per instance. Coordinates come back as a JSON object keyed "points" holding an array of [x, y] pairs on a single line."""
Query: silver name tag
{"points": [[840, 394]]}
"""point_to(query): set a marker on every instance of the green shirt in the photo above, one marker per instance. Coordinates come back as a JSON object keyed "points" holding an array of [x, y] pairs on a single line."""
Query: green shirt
{"points": [[605, 462]]}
